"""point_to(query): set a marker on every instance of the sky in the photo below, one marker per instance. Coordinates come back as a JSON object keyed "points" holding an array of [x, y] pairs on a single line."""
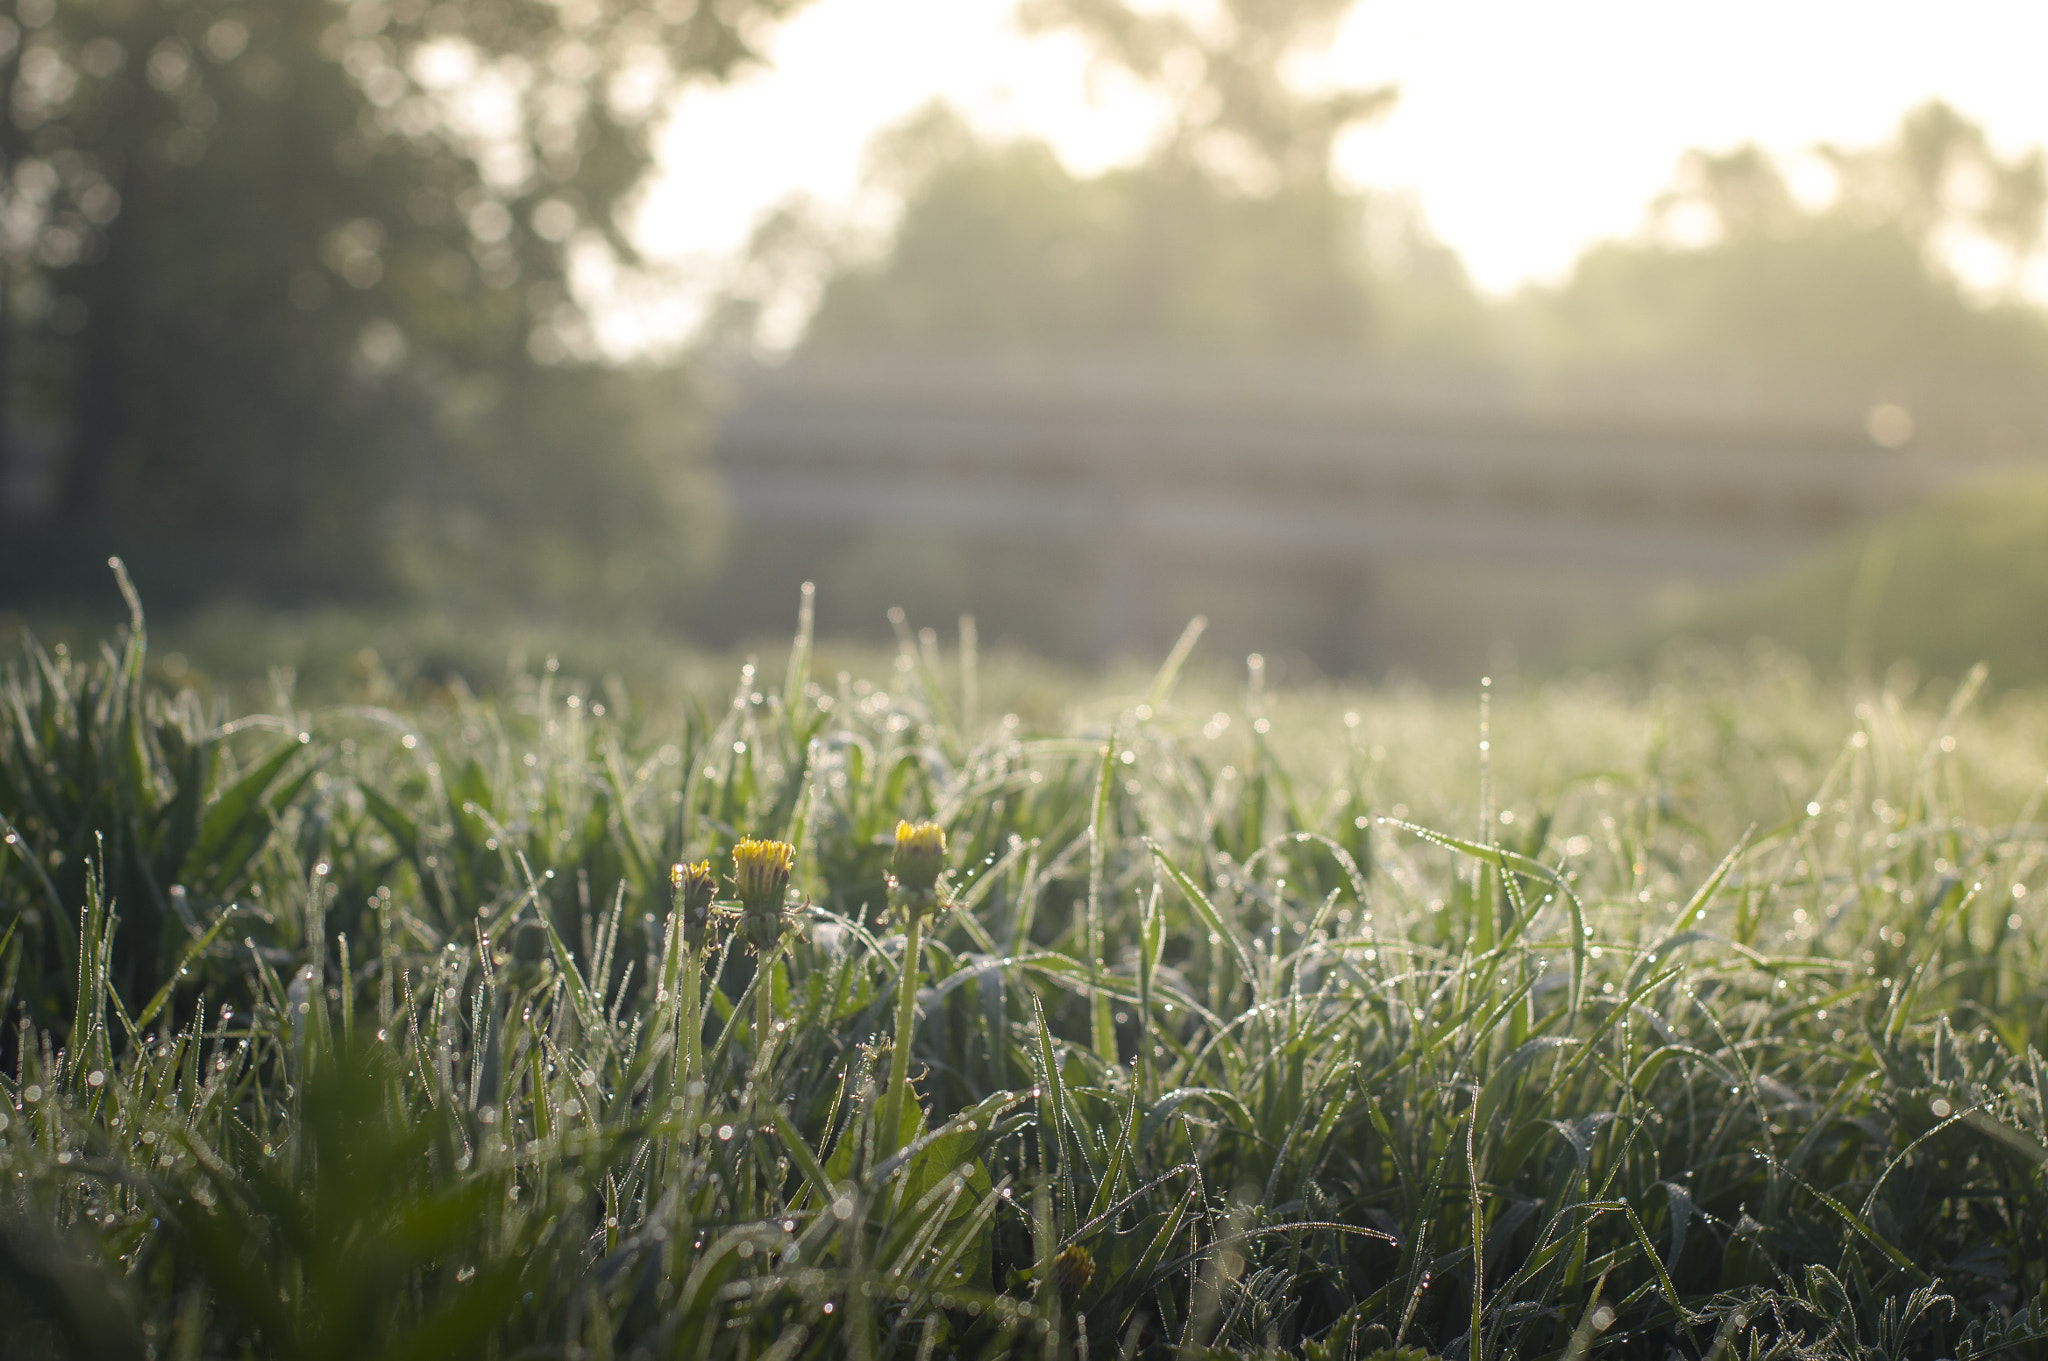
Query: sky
{"points": [[1525, 131]]}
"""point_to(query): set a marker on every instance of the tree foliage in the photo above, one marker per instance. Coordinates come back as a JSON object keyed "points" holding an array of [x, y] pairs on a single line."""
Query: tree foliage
{"points": [[1227, 79], [295, 273], [1231, 233], [1860, 292], [999, 244]]}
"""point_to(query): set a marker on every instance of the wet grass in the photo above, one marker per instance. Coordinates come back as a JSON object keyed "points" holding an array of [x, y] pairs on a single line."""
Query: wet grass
{"points": [[1696, 1018]]}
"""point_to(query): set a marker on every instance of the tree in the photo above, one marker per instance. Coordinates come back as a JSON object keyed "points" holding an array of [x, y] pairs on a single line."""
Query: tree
{"points": [[1939, 176], [1002, 247], [1742, 192], [1853, 300], [1226, 81], [282, 270], [1230, 234]]}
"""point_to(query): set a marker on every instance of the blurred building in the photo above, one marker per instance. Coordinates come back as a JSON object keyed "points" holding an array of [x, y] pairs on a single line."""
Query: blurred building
{"points": [[1363, 517]]}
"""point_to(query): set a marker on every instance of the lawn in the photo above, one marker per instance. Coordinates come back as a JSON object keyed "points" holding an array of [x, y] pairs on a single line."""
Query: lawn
{"points": [[1686, 1014]]}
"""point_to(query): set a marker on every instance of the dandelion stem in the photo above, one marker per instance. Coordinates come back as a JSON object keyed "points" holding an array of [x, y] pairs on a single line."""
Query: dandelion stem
{"points": [[691, 1009], [764, 1007], [906, 1023]]}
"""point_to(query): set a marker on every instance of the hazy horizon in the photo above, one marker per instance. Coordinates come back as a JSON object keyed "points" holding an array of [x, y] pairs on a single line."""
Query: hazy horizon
{"points": [[1606, 97]]}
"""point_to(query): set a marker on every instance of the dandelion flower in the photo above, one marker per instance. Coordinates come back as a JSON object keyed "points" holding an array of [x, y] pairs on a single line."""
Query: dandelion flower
{"points": [[761, 878], [919, 863]]}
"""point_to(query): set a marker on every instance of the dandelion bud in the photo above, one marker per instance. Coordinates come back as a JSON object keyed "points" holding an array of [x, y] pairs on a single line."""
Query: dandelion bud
{"points": [[760, 878], [1072, 1269], [696, 886], [920, 856]]}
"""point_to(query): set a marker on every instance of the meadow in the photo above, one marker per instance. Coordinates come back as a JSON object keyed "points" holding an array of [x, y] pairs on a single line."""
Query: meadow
{"points": [[1683, 1013]]}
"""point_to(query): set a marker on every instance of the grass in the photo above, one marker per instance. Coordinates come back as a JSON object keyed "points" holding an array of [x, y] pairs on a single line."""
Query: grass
{"points": [[1694, 1018], [1941, 586]]}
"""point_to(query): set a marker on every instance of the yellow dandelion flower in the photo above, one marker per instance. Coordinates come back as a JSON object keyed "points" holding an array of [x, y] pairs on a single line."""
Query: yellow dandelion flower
{"points": [[920, 856], [761, 878], [760, 871]]}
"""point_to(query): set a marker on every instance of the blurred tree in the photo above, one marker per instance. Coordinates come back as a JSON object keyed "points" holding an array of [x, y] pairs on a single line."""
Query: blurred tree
{"points": [[1231, 233], [295, 275], [1004, 247], [1859, 296], [1939, 178], [1001, 246], [1742, 191], [1227, 77], [2015, 214]]}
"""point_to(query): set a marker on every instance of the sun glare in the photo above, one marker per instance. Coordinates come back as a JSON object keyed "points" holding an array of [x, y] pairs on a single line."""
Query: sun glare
{"points": [[1524, 133]]}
